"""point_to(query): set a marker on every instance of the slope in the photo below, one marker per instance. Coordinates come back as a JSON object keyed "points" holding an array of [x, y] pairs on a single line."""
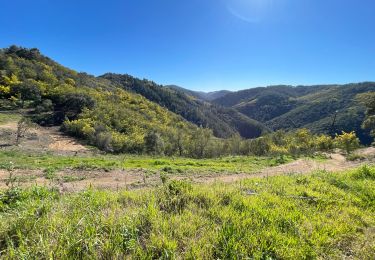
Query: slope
{"points": [[323, 109], [224, 122], [87, 107], [206, 96]]}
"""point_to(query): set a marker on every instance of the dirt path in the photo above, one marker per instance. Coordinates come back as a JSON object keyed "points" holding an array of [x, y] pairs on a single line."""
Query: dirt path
{"points": [[337, 162], [70, 180]]}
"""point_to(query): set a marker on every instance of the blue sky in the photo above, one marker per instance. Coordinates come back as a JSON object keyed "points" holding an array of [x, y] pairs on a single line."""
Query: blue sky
{"points": [[202, 44]]}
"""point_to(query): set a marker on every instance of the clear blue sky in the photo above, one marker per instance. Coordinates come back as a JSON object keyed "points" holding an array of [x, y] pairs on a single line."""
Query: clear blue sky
{"points": [[202, 44]]}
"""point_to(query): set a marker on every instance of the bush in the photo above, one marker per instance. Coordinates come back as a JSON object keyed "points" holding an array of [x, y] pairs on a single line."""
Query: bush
{"points": [[347, 141], [324, 143], [259, 146]]}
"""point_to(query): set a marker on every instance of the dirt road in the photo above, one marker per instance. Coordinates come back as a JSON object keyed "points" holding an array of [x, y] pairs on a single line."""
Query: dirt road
{"points": [[70, 180]]}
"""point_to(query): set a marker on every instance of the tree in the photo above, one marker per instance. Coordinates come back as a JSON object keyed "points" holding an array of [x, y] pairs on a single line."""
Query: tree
{"points": [[154, 144], [235, 144], [176, 139], [259, 146], [199, 141], [368, 99], [27, 90], [6, 84], [4, 91], [71, 105]]}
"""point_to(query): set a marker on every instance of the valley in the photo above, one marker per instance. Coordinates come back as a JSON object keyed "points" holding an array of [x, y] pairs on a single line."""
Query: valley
{"points": [[138, 170]]}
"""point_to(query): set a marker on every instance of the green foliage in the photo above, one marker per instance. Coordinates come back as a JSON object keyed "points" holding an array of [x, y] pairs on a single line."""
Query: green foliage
{"points": [[324, 143], [90, 108], [260, 146], [365, 172], [153, 143], [51, 163], [299, 142], [318, 216], [347, 141], [122, 114], [224, 122], [368, 99], [311, 107]]}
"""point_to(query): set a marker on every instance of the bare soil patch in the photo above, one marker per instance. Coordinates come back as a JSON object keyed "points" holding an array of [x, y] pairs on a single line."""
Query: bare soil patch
{"points": [[41, 139]]}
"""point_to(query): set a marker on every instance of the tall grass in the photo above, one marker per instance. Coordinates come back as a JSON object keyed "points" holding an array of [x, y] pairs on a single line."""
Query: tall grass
{"points": [[322, 215], [232, 164]]}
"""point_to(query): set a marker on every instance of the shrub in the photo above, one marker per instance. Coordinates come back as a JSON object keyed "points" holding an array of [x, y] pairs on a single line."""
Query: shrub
{"points": [[347, 141], [324, 143], [260, 146]]}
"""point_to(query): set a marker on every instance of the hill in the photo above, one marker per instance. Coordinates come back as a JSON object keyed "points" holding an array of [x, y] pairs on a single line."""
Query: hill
{"points": [[224, 122], [323, 109], [87, 107], [117, 113], [206, 96]]}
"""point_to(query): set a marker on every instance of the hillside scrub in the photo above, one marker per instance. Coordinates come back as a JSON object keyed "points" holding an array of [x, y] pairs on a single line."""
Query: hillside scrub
{"points": [[120, 114], [315, 216]]}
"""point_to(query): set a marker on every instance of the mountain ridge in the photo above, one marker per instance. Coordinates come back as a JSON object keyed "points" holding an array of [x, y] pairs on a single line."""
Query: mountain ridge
{"points": [[313, 107]]}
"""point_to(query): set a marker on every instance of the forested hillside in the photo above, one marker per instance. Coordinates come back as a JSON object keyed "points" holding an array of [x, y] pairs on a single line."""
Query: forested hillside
{"points": [[207, 96], [326, 109], [87, 107], [225, 122]]}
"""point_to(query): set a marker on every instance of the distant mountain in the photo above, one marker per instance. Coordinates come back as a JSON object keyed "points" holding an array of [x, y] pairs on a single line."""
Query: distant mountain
{"points": [[313, 107], [224, 122], [207, 96]]}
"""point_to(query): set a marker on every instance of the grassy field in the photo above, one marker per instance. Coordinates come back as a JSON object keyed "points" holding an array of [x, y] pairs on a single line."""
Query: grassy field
{"points": [[248, 164], [322, 215]]}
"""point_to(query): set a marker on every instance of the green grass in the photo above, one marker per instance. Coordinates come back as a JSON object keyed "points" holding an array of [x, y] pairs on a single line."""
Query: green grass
{"points": [[9, 117], [238, 164], [322, 215]]}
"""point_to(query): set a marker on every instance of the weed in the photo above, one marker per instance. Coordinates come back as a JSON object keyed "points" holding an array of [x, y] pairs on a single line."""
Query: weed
{"points": [[50, 173], [365, 172]]}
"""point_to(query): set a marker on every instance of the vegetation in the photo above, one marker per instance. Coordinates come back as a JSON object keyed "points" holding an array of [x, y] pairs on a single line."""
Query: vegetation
{"points": [[328, 109], [165, 132], [290, 217], [122, 114], [110, 115], [49, 162], [224, 122], [347, 141], [204, 96], [9, 117], [88, 107], [368, 99]]}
